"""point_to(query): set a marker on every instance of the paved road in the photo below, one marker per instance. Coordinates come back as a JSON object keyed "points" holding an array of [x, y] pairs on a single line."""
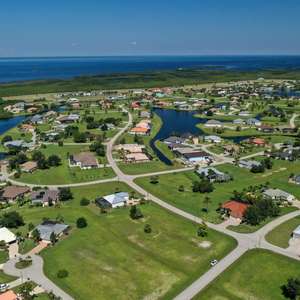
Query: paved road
{"points": [[292, 120], [35, 273], [245, 241]]}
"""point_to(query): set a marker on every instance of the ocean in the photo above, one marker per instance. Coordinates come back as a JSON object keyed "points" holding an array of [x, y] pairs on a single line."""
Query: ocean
{"points": [[23, 69]]}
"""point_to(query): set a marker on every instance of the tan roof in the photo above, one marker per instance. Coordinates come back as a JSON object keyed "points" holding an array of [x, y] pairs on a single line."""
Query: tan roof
{"points": [[137, 156], [29, 165], [132, 148], [86, 159], [13, 191]]}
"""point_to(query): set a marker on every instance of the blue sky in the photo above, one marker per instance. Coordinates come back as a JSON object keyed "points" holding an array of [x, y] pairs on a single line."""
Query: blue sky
{"points": [[131, 27]]}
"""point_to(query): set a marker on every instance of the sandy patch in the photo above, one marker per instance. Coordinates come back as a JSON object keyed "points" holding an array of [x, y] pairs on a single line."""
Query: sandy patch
{"points": [[205, 244]]}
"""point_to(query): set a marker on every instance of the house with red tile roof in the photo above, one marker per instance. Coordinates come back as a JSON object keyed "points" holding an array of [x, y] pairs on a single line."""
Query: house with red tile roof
{"points": [[236, 209]]}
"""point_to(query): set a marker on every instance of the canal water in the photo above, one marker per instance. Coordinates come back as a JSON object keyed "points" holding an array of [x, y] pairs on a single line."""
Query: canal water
{"points": [[179, 123]]}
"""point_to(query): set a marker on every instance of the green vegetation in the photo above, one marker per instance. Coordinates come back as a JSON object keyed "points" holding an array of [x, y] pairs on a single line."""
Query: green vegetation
{"points": [[258, 274], [26, 245], [64, 173], [281, 234], [141, 80], [23, 263], [4, 278], [3, 256], [167, 187]]}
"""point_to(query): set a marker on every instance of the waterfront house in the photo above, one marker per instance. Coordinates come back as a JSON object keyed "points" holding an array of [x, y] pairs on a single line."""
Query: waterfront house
{"points": [[212, 139], [213, 124]]}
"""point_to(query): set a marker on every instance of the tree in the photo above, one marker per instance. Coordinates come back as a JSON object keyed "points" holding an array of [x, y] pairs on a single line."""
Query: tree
{"points": [[79, 137], [181, 188], [81, 222], [84, 202], [26, 290], [135, 213], [154, 179], [11, 220], [54, 160], [35, 234], [202, 230], [206, 201], [291, 290], [252, 215], [6, 138], [62, 273], [65, 194], [53, 238], [147, 228], [37, 155], [30, 226]]}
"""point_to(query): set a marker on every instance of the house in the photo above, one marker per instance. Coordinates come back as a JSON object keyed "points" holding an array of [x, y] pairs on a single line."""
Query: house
{"points": [[213, 124], [12, 192], [114, 200], [253, 122], [296, 233], [174, 140], [84, 160], [266, 128], [29, 166], [244, 114], [136, 157], [48, 227], [36, 119], [27, 128], [139, 131], [238, 122], [249, 164], [18, 144], [277, 194], [258, 142], [145, 114], [9, 295], [213, 174], [197, 157], [236, 209], [131, 148], [68, 118], [296, 179], [212, 139], [44, 197], [7, 236]]}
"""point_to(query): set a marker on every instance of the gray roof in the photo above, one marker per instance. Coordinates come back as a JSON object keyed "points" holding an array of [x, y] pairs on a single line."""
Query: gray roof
{"points": [[116, 198], [45, 229], [276, 193]]}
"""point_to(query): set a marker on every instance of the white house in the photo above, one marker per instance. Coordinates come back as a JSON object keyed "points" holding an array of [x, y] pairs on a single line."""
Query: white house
{"points": [[113, 200], [212, 139], [277, 194], [213, 123], [296, 233], [7, 236]]}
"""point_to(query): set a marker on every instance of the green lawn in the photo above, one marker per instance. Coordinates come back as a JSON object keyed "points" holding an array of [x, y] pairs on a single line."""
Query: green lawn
{"points": [[167, 188], [280, 235], [26, 246], [4, 278], [258, 274], [3, 256], [245, 228], [113, 252], [64, 174]]}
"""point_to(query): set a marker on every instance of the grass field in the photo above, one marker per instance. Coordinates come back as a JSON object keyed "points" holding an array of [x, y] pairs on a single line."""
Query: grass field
{"points": [[167, 188], [280, 235], [4, 278], [258, 274], [113, 252], [64, 174], [3, 256]]}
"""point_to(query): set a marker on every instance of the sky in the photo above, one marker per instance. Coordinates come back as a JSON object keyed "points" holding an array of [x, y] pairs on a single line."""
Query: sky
{"points": [[149, 27]]}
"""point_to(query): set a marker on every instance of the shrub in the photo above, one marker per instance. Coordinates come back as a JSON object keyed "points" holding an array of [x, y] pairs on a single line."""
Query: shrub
{"points": [[147, 228], [84, 202], [62, 273], [81, 223]]}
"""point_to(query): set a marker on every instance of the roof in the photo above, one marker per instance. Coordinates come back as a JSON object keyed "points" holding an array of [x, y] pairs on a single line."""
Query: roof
{"points": [[237, 209], [44, 195], [137, 156], [174, 140], [29, 165], [132, 148], [46, 228], [276, 193], [86, 159], [258, 141], [214, 122], [6, 235], [116, 198], [9, 295], [196, 154], [205, 171], [297, 230], [139, 129], [13, 191]]}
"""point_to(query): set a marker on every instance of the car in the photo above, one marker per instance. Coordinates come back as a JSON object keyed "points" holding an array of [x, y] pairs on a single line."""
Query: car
{"points": [[3, 287], [213, 262]]}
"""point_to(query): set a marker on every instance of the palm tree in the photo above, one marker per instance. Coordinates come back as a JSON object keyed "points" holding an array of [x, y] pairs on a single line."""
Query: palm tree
{"points": [[206, 201]]}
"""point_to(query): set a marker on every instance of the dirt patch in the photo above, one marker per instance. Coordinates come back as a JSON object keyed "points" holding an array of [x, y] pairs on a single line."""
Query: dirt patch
{"points": [[205, 244]]}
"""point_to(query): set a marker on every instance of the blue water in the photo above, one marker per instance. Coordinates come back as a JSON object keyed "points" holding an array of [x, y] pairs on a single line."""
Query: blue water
{"points": [[21, 69], [7, 124], [179, 123]]}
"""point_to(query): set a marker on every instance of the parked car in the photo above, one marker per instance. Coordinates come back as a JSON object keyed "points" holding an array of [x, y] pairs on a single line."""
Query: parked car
{"points": [[3, 287], [213, 262]]}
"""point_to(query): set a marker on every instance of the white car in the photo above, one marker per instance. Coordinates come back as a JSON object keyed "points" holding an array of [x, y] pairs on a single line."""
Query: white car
{"points": [[213, 262], [3, 287]]}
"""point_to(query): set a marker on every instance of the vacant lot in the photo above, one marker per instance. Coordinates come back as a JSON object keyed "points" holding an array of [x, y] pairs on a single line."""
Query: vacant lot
{"points": [[258, 274]]}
